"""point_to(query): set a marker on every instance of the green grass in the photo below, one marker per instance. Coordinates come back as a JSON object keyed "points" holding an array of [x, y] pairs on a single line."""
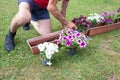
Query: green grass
{"points": [[94, 62]]}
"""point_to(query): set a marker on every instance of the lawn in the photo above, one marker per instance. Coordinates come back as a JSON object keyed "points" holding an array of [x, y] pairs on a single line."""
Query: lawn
{"points": [[100, 60]]}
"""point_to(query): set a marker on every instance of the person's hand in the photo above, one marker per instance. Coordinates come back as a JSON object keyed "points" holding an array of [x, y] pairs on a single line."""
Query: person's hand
{"points": [[71, 25]]}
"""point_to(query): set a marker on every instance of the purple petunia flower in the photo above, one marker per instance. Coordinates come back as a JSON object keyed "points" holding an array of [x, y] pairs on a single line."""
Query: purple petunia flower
{"points": [[70, 37], [83, 44], [90, 23], [73, 36], [82, 17], [69, 31], [102, 20], [59, 40], [75, 39], [80, 23], [68, 43], [79, 41], [77, 34], [74, 20], [104, 14], [64, 38], [108, 20], [107, 17]]}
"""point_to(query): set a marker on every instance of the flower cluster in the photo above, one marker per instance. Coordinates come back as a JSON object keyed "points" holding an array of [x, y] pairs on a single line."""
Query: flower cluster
{"points": [[107, 17], [82, 23], [117, 15], [94, 19], [47, 49], [72, 38]]}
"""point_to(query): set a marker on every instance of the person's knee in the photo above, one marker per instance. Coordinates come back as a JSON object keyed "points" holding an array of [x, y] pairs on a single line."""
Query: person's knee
{"points": [[25, 18], [24, 5], [22, 18], [24, 12]]}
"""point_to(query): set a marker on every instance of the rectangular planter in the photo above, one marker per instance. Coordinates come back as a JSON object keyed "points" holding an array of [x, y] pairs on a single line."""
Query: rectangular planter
{"points": [[33, 42], [103, 29]]}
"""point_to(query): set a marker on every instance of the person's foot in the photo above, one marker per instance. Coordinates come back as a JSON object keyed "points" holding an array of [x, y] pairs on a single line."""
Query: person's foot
{"points": [[26, 26], [9, 41]]}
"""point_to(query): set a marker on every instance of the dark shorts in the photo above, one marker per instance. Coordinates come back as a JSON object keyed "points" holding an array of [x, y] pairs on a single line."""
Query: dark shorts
{"points": [[37, 13]]}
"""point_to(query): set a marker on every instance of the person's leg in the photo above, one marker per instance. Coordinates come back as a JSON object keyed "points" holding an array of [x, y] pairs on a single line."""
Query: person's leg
{"points": [[41, 20], [21, 18], [43, 27]]}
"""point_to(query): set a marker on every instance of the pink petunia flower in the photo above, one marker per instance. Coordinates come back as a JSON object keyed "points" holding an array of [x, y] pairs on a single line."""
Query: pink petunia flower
{"points": [[83, 44]]}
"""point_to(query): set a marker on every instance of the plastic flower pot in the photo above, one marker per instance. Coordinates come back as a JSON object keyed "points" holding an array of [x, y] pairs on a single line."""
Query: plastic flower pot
{"points": [[44, 62], [71, 52]]}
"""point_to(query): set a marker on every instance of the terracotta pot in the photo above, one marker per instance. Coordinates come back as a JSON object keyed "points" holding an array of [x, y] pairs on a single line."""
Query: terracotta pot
{"points": [[103, 29]]}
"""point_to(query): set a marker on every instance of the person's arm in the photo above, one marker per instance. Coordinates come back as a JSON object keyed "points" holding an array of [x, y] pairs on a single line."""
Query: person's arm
{"points": [[63, 8], [52, 7]]}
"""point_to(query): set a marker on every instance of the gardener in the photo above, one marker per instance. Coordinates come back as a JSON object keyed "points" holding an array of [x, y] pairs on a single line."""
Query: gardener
{"points": [[37, 10]]}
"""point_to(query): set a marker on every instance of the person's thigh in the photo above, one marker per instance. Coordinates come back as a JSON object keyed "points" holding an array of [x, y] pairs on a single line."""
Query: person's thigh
{"points": [[25, 7], [45, 26], [22, 17]]}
